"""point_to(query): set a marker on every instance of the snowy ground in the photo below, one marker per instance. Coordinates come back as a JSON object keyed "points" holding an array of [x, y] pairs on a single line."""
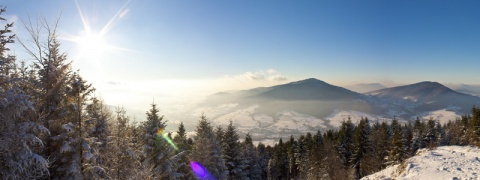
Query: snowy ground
{"points": [[443, 116], [447, 162]]}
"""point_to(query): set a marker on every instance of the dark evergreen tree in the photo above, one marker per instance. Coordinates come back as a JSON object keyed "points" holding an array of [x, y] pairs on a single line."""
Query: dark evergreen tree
{"points": [[159, 155], [396, 152], [430, 136], [361, 147], [278, 164], [250, 160], [231, 153], [123, 161], [379, 138], [181, 139], [317, 169], [264, 157], [292, 148], [208, 151], [418, 136], [345, 141], [475, 127]]}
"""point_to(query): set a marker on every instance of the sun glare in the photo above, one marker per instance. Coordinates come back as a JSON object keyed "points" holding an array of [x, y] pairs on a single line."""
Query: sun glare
{"points": [[92, 44]]}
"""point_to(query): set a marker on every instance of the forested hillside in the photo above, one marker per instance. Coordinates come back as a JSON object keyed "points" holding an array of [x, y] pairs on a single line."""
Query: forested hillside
{"points": [[54, 126]]}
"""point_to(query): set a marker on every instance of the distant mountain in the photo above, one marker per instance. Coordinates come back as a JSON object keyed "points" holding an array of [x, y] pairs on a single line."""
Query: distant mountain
{"points": [[366, 87], [309, 105], [308, 89], [309, 96], [425, 96]]}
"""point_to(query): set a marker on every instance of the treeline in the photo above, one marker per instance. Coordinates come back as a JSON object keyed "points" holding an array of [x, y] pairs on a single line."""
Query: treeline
{"points": [[354, 151], [52, 126]]}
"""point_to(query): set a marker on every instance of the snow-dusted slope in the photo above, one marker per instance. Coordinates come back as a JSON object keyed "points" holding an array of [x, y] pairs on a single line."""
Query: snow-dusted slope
{"points": [[447, 162]]}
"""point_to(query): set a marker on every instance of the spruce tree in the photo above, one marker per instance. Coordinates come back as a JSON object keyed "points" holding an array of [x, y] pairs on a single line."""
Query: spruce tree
{"points": [[180, 138], [475, 127], [361, 146], [345, 140], [20, 130], [264, 156], [396, 151], [207, 150], [292, 147], [379, 138], [123, 160], [158, 153], [250, 160], [231, 153], [418, 136], [316, 169]]}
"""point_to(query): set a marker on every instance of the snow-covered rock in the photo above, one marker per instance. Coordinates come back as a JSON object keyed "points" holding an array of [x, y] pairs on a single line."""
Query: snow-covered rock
{"points": [[446, 162]]}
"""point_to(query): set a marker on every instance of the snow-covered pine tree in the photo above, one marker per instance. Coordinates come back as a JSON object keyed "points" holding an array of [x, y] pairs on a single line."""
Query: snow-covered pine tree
{"points": [[220, 133], [159, 155], [465, 126], [396, 152], [302, 155], [98, 132], [418, 134], [207, 150], [475, 127], [292, 147], [430, 136], [442, 138], [264, 156], [56, 100], [361, 147], [379, 138], [231, 153], [278, 163], [333, 161], [123, 162], [180, 139], [316, 169], [408, 135], [73, 157], [250, 160], [345, 140], [19, 128]]}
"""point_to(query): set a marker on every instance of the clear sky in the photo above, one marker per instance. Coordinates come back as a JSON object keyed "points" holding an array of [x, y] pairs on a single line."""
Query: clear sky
{"points": [[169, 48]]}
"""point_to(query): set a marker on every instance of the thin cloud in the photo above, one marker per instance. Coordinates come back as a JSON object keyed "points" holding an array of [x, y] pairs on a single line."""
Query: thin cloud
{"points": [[263, 75], [113, 83], [278, 78]]}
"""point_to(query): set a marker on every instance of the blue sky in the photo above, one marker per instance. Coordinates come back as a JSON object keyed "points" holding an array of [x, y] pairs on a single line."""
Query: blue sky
{"points": [[187, 45]]}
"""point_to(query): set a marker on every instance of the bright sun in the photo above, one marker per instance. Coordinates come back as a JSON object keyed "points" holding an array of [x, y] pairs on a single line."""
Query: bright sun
{"points": [[92, 44]]}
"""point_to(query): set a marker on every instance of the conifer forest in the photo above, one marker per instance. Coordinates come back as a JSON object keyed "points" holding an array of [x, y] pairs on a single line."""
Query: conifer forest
{"points": [[54, 126]]}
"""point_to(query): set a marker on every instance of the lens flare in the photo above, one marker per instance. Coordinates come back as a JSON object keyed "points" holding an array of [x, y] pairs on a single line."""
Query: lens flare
{"points": [[165, 136], [200, 171]]}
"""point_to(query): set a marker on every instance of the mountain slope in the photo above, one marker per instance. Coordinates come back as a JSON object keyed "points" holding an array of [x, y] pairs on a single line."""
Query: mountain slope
{"points": [[446, 162], [420, 92], [309, 96], [308, 89], [366, 87], [427, 96]]}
